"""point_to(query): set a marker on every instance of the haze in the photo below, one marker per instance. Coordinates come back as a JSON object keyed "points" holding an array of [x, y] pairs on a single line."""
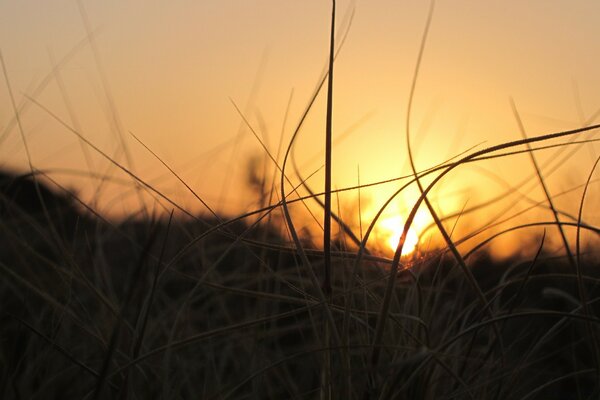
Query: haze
{"points": [[172, 73]]}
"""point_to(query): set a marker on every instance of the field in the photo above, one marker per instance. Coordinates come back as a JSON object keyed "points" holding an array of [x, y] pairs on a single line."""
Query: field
{"points": [[173, 304], [218, 309]]}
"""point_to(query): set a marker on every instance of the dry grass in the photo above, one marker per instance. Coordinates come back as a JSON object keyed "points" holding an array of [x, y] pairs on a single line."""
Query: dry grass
{"points": [[179, 306]]}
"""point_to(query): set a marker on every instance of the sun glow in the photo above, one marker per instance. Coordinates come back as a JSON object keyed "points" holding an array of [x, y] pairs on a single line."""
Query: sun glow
{"points": [[391, 229]]}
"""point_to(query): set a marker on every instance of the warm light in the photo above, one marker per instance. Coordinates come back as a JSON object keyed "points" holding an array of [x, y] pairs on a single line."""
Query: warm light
{"points": [[391, 229]]}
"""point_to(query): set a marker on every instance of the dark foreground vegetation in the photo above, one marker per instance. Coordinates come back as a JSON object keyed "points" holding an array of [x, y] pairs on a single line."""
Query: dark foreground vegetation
{"points": [[199, 309]]}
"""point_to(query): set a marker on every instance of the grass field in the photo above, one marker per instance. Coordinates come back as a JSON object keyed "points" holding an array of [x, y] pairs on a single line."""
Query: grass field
{"points": [[175, 305], [207, 309]]}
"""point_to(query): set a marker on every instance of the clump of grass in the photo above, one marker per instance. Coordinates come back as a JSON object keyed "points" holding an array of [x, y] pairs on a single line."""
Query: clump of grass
{"points": [[184, 306]]}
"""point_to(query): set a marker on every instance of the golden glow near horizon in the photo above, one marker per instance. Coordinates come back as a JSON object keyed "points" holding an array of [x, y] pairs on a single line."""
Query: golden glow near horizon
{"points": [[392, 228], [388, 230], [169, 71]]}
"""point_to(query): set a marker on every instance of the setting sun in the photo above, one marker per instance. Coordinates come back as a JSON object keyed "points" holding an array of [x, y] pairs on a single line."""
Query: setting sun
{"points": [[391, 229]]}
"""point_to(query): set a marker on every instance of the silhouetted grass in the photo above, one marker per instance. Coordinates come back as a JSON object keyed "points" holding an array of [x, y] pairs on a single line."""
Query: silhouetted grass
{"points": [[176, 309], [180, 305]]}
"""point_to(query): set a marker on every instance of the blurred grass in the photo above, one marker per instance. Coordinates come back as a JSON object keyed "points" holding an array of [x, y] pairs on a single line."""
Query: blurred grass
{"points": [[174, 305], [92, 309]]}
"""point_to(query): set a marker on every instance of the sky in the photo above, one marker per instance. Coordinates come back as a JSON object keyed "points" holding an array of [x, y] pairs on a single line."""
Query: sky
{"points": [[173, 75]]}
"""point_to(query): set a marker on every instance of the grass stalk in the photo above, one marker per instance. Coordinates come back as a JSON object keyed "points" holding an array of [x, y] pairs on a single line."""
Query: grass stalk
{"points": [[328, 160], [543, 185]]}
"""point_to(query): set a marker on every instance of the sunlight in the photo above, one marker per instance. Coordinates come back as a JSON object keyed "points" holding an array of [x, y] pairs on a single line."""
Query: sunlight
{"points": [[391, 229]]}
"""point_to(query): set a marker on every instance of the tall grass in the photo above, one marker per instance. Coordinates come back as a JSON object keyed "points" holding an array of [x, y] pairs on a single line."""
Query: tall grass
{"points": [[179, 306]]}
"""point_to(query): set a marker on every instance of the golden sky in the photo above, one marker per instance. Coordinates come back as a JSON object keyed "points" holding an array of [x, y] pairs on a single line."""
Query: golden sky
{"points": [[168, 71]]}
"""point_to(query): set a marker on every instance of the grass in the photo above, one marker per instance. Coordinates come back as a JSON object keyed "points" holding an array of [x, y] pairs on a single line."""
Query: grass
{"points": [[175, 305]]}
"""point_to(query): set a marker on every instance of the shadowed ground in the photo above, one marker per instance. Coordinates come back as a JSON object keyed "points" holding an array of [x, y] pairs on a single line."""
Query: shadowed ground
{"points": [[180, 309]]}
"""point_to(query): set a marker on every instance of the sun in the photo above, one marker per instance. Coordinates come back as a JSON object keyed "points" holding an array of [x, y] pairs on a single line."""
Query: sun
{"points": [[391, 229]]}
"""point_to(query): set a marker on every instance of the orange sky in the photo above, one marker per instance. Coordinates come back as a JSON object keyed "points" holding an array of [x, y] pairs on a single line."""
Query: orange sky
{"points": [[171, 69]]}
